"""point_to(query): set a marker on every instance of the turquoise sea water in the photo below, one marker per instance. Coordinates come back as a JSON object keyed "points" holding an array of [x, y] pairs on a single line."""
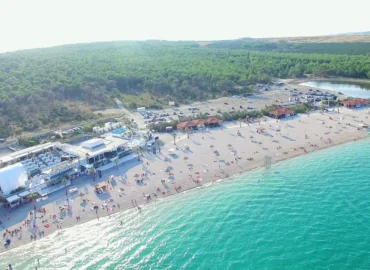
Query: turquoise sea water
{"points": [[311, 212]]}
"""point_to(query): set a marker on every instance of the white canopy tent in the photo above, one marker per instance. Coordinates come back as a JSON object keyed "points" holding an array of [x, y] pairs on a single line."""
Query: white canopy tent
{"points": [[12, 177]]}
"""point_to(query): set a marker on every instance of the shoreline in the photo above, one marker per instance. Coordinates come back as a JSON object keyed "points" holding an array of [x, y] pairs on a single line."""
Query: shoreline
{"points": [[365, 82], [208, 178]]}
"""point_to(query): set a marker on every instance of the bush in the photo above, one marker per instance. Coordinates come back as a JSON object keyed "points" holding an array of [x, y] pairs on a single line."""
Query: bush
{"points": [[155, 106], [301, 108]]}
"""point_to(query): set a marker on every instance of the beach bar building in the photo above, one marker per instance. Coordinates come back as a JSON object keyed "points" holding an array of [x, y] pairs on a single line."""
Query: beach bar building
{"points": [[195, 124], [281, 112], [355, 103]]}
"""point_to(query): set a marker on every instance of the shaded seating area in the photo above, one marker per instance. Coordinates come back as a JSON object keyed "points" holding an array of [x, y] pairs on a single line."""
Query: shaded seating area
{"points": [[281, 112], [195, 124], [101, 187], [14, 201], [356, 103]]}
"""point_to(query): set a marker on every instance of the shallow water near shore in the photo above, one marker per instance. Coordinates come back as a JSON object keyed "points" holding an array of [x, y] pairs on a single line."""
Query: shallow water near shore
{"points": [[310, 212]]}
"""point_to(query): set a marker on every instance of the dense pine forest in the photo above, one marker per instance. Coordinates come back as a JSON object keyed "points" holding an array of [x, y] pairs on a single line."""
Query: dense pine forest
{"points": [[51, 86], [349, 48]]}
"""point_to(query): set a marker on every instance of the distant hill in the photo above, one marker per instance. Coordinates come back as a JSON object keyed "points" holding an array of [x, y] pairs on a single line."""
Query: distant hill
{"points": [[349, 37], [355, 34], [317, 45]]}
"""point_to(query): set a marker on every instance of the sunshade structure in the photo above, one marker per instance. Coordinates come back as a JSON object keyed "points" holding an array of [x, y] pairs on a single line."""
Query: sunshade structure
{"points": [[102, 186], [355, 103], [211, 121], [281, 112]]}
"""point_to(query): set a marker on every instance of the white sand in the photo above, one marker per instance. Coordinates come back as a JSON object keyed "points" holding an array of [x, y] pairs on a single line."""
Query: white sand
{"points": [[206, 165]]}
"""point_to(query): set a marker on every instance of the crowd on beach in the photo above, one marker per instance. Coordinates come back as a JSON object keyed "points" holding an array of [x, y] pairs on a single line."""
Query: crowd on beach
{"points": [[203, 156]]}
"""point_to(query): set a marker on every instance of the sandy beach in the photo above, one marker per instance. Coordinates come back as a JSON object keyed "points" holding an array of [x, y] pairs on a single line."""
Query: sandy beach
{"points": [[203, 157]]}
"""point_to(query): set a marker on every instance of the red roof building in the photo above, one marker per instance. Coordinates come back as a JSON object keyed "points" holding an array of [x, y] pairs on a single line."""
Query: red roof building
{"points": [[213, 120], [357, 102], [197, 123], [281, 112]]}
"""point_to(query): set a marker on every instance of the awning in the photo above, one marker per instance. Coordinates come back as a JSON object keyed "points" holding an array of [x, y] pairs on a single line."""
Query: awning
{"points": [[12, 198], [24, 193], [101, 185], [72, 189]]}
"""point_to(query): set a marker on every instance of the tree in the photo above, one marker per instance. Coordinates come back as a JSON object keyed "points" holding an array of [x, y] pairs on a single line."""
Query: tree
{"points": [[92, 172], [65, 182], [337, 105], [33, 197], [116, 159], [158, 144], [87, 156], [187, 132], [136, 150]]}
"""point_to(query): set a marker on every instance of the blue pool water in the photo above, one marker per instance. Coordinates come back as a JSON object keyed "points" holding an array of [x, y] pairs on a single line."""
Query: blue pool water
{"points": [[119, 131]]}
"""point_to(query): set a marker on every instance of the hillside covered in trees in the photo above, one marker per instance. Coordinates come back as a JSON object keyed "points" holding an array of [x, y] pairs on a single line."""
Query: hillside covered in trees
{"points": [[47, 87], [350, 48]]}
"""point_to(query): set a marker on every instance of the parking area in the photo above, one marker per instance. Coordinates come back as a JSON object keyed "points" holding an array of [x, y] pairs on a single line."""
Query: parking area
{"points": [[285, 94]]}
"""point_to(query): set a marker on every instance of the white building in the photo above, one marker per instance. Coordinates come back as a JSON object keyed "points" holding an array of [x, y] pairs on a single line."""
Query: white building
{"points": [[12, 177]]}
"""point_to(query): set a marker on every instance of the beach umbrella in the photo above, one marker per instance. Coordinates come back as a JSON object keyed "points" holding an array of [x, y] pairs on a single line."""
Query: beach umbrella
{"points": [[211, 146], [136, 175], [190, 165], [229, 145]]}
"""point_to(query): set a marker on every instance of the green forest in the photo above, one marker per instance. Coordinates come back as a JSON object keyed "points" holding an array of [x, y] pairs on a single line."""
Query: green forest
{"points": [[350, 48], [51, 86]]}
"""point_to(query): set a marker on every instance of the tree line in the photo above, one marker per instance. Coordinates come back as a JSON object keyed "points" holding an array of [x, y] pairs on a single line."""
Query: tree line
{"points": [[349, 48], [51, 86]]}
